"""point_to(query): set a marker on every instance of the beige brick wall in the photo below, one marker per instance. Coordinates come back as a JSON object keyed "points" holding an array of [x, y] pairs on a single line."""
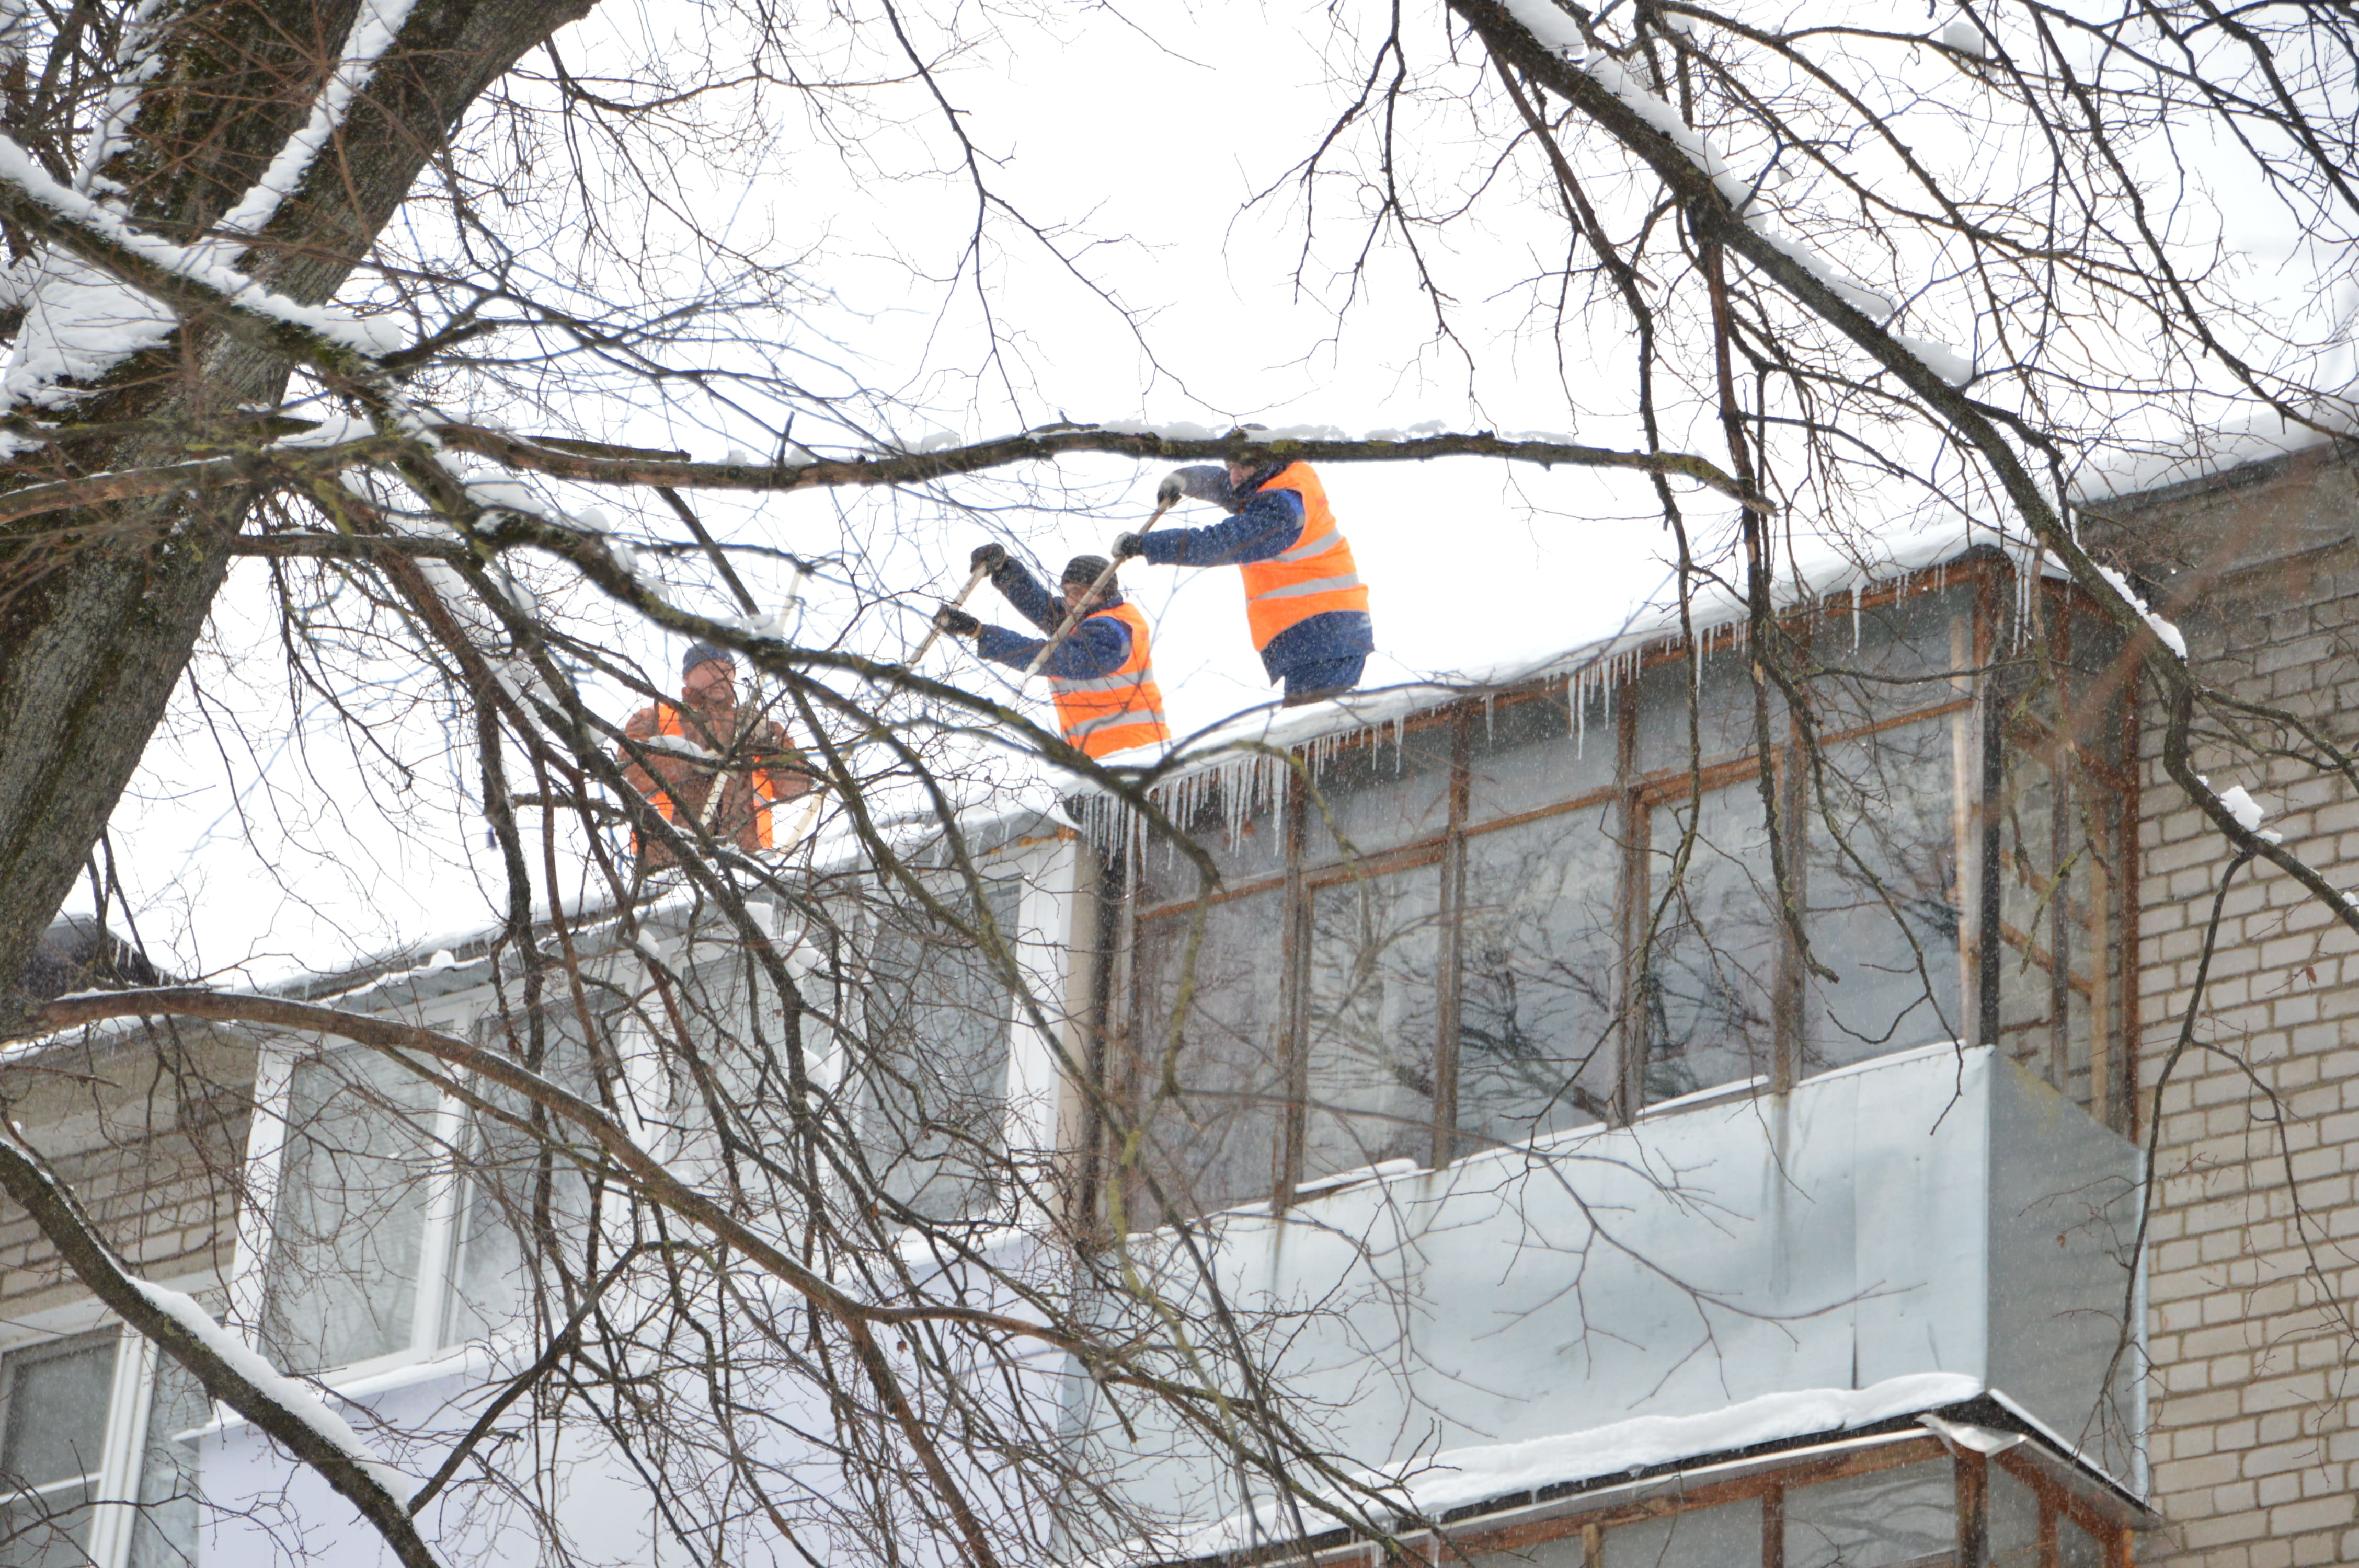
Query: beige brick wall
{"points": [[2254, 1254], [148, 1132]]}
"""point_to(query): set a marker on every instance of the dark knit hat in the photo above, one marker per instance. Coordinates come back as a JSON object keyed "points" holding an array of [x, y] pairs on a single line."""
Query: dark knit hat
{"points": [[1084, 570], [702, 654]]}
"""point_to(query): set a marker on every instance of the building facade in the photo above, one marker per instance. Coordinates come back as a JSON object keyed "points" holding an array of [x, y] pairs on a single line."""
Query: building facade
{"points": [[1611, 1177]]}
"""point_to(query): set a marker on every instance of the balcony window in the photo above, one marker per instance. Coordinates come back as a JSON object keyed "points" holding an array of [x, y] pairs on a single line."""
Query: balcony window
{"points": [[1896, 1506], [1559, 903]]}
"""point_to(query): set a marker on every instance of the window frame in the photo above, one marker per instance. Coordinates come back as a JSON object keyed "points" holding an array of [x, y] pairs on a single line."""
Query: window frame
{"points": [[114, 1499], [258, 1239], [1491, 1528], [1986, 622]]}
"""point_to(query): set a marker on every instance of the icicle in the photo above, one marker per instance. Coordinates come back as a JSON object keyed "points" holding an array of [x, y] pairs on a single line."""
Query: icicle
{"points": [[1580, 713], [1854, 620]]}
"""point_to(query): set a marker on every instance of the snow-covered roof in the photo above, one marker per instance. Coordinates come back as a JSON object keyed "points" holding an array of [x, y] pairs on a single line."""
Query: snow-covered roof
{"points": [[2210, 456]]}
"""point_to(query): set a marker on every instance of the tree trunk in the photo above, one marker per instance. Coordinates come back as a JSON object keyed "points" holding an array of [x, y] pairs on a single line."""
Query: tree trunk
{"points": [[101, 606]]}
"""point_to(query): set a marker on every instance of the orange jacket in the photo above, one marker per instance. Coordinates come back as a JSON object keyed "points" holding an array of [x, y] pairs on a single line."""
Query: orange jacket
{"points": [[1316, 575], [673, 783], [1114, 712]]}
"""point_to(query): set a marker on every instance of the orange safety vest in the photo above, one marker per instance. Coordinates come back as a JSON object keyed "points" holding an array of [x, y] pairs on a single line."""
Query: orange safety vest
{"points": [[1114, 712], [1316, 575], [667, 723]]}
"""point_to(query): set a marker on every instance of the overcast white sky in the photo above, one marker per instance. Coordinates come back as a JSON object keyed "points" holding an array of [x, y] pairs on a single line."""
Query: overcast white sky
{"points": [[256, 838]]}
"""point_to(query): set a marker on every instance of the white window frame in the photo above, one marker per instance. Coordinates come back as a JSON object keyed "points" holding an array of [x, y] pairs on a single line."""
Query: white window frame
{"points": [[266, 1150], [1046, 874], [115, 1494]]}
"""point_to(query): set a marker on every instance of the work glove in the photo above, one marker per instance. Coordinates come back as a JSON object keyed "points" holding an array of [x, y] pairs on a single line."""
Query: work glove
{"points": [[1167, 492], [1129, 547], [956, 622], [987, 558]]}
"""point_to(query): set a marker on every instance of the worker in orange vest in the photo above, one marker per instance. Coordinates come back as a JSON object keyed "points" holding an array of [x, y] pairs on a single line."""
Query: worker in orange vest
{"points": [[1101, 675], [1305, 604], [677, 755]]}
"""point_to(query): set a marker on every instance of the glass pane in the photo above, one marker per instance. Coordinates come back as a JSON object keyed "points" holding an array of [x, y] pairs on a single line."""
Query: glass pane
{"points": [[1375, 942], [1892, 657], [2014, 1522], [1389, 792], [1235, 814], [1724, 716], [1888, 1518], [48, 1530], [1728, 1536], [1557, 1551], [1213, 1142], [2075, 1547], [1883, 894], [511, 1171], [52, 1443], [1537, 962], [1529, 753], [931, 1070], [57, 1395], [1715, 947], [164, 1535], [351, 1206]]}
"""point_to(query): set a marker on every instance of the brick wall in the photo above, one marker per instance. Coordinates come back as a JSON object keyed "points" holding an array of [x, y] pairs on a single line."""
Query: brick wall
{"points": [[2254, 1251], [149, 1133]]}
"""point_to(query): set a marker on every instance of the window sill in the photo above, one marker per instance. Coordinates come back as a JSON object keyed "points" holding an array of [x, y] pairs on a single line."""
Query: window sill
{"points": [[365, 1379]]}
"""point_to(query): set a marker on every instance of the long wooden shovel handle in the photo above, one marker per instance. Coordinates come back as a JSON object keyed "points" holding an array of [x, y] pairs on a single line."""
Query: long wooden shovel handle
{"points": [[973, 582], [1074, 617]]}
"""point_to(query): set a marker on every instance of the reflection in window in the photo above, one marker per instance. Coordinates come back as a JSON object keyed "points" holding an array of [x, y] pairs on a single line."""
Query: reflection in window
{"points": [[1716, 941], [1723, 704], [1578, 966], [1374, 945], [932, 1080], [350, 1211], [1883, 1519], [1883, 894], [1537, 961], [1528, 755], [1213, 1142], [53, 1405], [2075, 1547]]}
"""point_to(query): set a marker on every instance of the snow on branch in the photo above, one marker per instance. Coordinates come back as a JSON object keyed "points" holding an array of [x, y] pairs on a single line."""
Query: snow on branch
{"points": [[1157, 443], [374, 30], [1556, 32], [119, 287], [231, 1372]]}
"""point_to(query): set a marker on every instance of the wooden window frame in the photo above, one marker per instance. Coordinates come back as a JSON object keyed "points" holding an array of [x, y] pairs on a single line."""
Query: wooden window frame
{"points": [[1457, 1545], [1989, 588]]}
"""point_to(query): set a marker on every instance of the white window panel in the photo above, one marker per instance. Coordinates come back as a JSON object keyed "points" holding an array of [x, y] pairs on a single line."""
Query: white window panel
{"points": [[86, 1428], [353, 1204]]}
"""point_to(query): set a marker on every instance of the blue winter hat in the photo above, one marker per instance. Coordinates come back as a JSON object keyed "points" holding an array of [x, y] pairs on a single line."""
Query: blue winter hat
{"points": [[702, 654]]}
